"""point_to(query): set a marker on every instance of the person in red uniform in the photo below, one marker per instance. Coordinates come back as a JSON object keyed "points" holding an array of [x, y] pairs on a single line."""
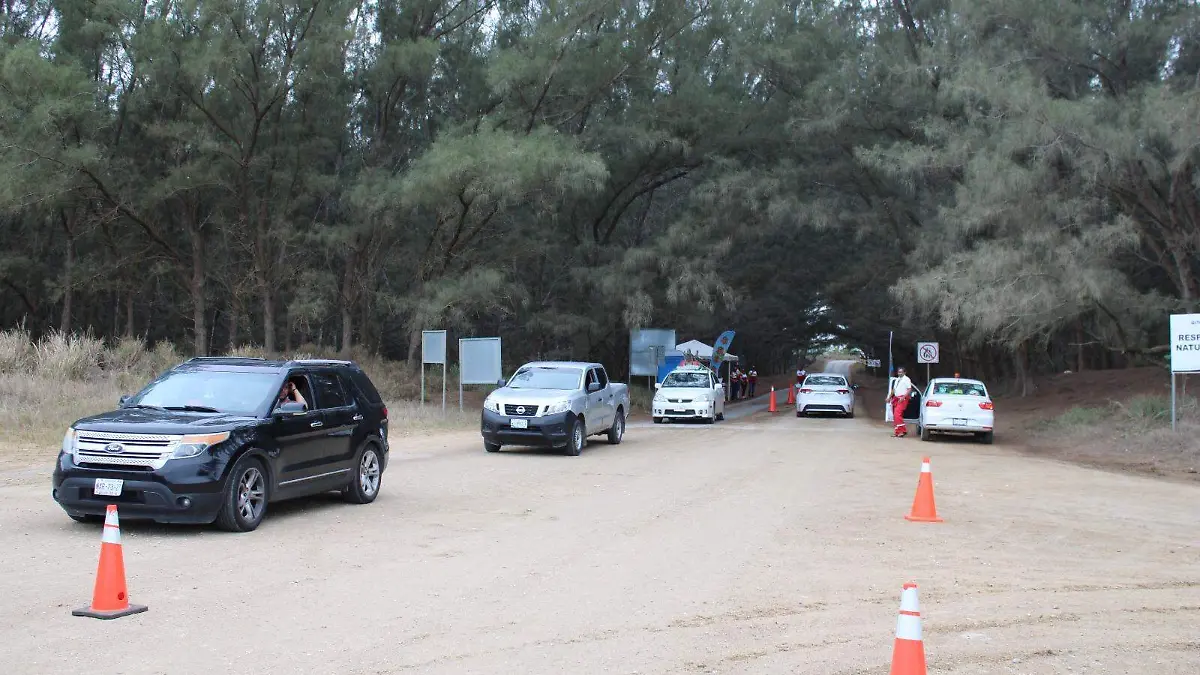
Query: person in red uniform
{"points": [[899, 395]]}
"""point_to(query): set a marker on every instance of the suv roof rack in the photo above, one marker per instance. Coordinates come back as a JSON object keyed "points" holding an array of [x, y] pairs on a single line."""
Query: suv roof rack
{"points": [[226, 358], [337, 361]]}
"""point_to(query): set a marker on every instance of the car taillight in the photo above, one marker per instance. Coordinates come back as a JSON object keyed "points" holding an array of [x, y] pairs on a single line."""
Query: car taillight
{"points": [[806, 391], [987, 405], [385, 412], [933, 404], [843, 391]]}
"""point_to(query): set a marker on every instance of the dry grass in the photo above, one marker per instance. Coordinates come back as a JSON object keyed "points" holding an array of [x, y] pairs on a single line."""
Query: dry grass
{"points": [[47, 384]]}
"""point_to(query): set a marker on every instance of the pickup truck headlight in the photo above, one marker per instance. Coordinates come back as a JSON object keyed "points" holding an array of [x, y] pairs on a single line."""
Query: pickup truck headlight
{"points": [[190, 446], [560, 407], [492, 404]]}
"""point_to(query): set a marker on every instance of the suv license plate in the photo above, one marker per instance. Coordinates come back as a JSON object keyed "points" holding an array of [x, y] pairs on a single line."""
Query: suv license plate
{"points": [[520, 424], [959, 422], [108, 487]]}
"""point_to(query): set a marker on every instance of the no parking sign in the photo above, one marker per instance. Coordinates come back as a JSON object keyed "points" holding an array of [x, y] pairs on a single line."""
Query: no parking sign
{"points": [[927, 352]]}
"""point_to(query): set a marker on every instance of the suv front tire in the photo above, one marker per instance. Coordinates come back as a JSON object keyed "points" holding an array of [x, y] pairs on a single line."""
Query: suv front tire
{"points": [[245, 501]]}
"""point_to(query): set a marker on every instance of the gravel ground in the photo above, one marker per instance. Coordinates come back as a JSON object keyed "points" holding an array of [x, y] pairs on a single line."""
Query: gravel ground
{"points": [[765, 545]]}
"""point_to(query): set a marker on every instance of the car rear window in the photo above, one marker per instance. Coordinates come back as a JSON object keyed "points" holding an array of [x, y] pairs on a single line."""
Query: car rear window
{"points": [[825, 380], [959, 389], [365, 386]]}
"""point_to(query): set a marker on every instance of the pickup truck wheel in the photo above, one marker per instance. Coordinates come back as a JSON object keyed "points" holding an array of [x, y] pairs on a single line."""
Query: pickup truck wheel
{"points": [[576, 437], [617, 431]]}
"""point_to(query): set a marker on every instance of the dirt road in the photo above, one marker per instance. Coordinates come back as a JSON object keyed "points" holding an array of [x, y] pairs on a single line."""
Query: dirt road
{"points": [[759, 546]]}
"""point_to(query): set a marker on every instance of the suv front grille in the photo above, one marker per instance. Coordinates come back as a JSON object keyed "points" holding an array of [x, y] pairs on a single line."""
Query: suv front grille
{"points": [[518, 410], [148, 450]]}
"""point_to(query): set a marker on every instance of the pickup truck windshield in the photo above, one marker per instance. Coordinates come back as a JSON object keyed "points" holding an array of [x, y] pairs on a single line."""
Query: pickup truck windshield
{"points": [[547, 378], [215, 390], [691, 380]]}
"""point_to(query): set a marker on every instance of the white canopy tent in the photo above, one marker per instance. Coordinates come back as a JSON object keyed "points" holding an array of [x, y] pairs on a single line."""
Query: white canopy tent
{"points": [[700, 350]]}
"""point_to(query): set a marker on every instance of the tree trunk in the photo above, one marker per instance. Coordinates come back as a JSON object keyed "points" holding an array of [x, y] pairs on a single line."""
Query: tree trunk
{"points": [[199, 310], [235, 311], [64, 323], [268, 302], [129, 315]]}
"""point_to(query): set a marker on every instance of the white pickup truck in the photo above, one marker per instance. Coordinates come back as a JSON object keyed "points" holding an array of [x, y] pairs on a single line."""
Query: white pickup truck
{"points": [[555, 404]]}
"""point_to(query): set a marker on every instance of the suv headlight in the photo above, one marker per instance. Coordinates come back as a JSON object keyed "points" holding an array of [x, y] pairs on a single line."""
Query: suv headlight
{"points": [[68, 444], [190, 446], [560, 407], [491, 404]]}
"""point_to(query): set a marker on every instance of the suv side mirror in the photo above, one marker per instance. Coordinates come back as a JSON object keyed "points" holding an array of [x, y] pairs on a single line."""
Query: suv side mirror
{"points": [[123, 400], [594, 387], [291, 407]]}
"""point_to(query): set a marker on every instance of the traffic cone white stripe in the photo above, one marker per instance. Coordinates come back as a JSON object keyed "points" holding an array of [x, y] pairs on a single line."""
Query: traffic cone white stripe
{"points": [[908, 627], [925, 467], [112, 529]]}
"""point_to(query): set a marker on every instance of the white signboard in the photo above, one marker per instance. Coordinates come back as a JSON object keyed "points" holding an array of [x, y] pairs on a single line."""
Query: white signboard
{"points": [[433, 347], [647, 346], [873, 363], [927, 352], [479, 361], [1185, 343]]}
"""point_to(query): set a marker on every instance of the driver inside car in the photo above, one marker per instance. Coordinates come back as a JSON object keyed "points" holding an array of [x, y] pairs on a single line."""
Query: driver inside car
{"points": [[291, 394]]}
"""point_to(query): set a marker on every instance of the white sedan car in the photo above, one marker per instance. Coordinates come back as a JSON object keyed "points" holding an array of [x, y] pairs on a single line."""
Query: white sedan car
{"points": [[689, 392], [956, 406], [825, 392]]}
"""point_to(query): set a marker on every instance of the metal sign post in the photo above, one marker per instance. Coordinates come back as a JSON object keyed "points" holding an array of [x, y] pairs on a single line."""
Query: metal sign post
{"points": [[433, 352], [1185, 352]]}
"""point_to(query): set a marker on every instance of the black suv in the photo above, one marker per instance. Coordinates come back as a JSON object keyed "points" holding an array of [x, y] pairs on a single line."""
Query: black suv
{"points": [[217, 439]]}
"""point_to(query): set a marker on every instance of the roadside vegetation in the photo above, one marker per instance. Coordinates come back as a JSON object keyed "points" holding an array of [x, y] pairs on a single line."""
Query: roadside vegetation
{"points": [[46, 384]]}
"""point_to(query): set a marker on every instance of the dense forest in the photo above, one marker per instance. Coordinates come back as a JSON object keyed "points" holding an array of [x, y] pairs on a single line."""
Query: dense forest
{"points": [[1015, 178]]}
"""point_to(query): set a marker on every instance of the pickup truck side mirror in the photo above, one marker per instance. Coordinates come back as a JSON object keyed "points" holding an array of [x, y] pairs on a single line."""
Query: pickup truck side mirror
{"points": [[594, 387], [291, 408], [124, 399]]}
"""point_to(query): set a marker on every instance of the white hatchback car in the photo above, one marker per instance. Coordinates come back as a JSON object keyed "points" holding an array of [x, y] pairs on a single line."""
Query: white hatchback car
{"points": [[956, 406], [825, 392]]}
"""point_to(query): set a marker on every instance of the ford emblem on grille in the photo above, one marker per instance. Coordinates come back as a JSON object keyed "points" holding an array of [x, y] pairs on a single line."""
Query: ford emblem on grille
{"points": [[520, 410], [114, 448]]}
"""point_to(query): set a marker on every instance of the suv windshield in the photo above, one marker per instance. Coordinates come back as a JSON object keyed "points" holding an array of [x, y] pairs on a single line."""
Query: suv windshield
{"points": [[209, 390], [546, 378], [825, 380], [693, 380]]}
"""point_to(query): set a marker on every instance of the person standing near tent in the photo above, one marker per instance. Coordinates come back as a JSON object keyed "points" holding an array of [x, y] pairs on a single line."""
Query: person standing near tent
{"points": [[737, 383], [899, 395], [753, 379]]}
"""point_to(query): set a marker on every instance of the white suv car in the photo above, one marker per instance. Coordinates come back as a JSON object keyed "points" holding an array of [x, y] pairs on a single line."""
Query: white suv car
{"points": [[689, 392]]}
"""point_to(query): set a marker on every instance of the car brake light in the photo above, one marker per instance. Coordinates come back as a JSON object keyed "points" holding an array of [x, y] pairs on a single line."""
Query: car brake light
{"points": [[843, 391], [933, 404], [385, 412], [806, 391], [987, 405]]}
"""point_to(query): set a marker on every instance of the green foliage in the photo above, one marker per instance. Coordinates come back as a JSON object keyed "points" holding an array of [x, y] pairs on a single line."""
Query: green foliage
{"points": [[1016, 179]]}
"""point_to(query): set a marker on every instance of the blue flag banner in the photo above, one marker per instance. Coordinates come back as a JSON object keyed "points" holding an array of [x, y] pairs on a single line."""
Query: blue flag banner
{"points": [[721, 348]]}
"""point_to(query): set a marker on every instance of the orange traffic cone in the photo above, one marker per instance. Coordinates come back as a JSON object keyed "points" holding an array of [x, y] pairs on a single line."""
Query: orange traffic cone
{"points": [[772, 407], [791, 396], [908, 652], [109, 599], [923, 508]]}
